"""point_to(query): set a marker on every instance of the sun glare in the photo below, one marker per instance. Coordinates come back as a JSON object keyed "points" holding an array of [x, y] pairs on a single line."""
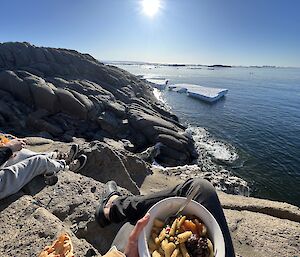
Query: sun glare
{"points": [[151, 7]]}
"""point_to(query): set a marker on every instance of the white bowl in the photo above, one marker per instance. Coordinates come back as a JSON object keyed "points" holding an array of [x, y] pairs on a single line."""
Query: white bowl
{"points": [[169, 206]]}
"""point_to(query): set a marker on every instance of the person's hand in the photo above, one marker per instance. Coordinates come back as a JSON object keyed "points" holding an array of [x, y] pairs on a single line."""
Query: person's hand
{"points": [[16, 144], [131, 249]]}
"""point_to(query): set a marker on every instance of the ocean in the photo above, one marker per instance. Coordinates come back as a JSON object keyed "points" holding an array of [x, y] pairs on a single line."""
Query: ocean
{"points": [[254, 131]]}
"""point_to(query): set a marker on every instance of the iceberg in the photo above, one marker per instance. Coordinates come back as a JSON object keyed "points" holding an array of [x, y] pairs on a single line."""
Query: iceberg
{"points": [[158, 83], [208, 94]]}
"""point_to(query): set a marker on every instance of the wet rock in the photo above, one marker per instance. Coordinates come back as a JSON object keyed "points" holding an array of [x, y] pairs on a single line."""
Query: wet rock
{"points": [[174, 154], [171, 141]]}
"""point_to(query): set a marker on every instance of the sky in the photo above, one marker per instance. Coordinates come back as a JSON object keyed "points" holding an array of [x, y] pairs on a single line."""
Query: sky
{"points": [[234, 32]]}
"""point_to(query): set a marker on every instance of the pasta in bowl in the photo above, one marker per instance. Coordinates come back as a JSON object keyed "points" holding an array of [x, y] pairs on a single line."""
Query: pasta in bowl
{"points": [[195, 233]]}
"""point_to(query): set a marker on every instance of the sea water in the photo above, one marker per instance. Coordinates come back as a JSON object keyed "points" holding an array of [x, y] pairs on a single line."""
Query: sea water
{"points": [[254, 131]]}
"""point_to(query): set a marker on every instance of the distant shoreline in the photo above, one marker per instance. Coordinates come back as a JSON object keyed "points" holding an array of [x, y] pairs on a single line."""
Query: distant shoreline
{"points": [[195, 65]]}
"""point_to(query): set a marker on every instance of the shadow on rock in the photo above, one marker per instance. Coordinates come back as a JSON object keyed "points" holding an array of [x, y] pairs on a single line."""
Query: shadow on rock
{"points": [[106, 163]]}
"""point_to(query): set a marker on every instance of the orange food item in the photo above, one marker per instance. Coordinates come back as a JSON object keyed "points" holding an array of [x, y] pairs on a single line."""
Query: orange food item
{"points": [[189, 225], [3, 140], [62, 247], [199, 226]]}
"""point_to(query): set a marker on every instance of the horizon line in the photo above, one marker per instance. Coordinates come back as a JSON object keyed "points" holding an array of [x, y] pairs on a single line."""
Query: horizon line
{"points": [[193, 64]]}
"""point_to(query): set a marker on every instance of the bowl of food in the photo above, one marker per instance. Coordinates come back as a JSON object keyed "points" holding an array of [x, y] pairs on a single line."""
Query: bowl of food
{"points": [[194, 233]]}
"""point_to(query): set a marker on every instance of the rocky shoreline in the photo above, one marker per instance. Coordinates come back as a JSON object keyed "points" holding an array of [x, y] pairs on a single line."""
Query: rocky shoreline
{"points": [[64, 96], [60, 94]]}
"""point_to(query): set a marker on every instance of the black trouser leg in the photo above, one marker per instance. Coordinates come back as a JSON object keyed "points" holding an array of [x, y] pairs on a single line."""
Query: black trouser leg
{"points": [[132, 208]]}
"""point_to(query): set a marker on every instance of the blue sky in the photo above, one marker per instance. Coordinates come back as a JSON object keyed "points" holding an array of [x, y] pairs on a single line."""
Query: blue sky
{"points": [[237, 32]]}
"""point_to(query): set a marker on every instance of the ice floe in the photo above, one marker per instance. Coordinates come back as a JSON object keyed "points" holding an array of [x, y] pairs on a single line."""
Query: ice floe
{"points": [[208, 94]]}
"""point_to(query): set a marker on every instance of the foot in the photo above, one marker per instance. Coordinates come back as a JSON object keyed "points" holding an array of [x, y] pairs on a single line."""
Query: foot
{"points": [[72, 153], [78, 163], [110, 193]]}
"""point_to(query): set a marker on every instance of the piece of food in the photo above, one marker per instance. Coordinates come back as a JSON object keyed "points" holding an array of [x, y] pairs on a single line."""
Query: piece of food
{"points": [[3, 140], [181, 237], [164, 243], [188, 225], [198, 246], [182, 219], [162, 235], [183, 250], [156, 254], [175, 253], [210, 248], [201, 228], [161, 251], [168, 249], [173, 228], [157, 241], [62, 247]]}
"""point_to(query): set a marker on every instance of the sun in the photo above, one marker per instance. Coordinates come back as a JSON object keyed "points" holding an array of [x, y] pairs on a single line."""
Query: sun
{"points": [[151, 7]]}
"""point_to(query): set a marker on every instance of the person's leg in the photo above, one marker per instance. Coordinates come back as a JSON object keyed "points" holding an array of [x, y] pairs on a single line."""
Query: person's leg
{"points": [[132, 208], [14, 177], [25, 154]]}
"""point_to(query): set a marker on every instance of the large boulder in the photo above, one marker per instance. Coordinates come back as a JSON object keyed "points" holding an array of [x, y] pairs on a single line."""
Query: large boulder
{"points": [[43, 95], [10, 82], [140, 121], [106, 163], [70, 104]]}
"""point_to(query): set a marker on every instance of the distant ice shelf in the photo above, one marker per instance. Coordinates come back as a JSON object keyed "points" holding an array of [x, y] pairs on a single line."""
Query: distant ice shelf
{"points": [[208, 94]]}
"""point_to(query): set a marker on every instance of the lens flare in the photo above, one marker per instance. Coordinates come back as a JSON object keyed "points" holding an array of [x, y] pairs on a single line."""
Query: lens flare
{"points": [[151, 7]]}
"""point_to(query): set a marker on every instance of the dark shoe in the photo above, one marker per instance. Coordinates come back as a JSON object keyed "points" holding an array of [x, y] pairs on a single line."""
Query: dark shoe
{"points": [[50, 178], [109, 190], [78, 163], [72, 153]]}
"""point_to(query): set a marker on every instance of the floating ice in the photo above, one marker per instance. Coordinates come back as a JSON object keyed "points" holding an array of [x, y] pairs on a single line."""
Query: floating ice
{"points": [[208, 94], [158, 83]]}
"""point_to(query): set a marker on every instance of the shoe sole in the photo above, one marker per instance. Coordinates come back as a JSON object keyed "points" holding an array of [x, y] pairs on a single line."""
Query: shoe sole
{"points": [[76, 150], [99, 216], [82, 165]]}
